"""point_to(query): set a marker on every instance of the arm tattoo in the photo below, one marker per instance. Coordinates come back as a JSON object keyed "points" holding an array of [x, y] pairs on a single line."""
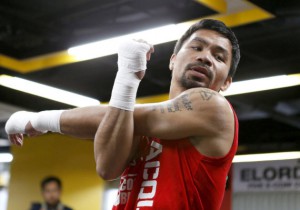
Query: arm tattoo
{"points": [[179, 104], [186, 102], [183, 102], [160, 107], [173, 107], [206, 95]]}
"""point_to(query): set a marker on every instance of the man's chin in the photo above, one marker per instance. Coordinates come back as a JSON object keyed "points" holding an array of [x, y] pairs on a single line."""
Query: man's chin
{"points": [[189, 83], [53, 203], [196, 85]]}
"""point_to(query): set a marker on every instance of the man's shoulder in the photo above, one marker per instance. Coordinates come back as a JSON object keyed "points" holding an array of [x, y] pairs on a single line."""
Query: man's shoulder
{"points": [[206, 95], [35, 206], [206, 99], [67, 208]]}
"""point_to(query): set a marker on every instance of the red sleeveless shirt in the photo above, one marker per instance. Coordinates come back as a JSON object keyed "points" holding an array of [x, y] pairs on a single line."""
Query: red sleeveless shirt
{"points": [[172, 174]]}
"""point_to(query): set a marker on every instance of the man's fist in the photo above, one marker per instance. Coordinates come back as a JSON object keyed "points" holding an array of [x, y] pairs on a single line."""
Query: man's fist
{"points": [[19, 124], [132, 60], [133, 55]]}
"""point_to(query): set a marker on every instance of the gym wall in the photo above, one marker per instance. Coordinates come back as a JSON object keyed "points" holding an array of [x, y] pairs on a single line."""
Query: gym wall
{"points": [[70, 159]]}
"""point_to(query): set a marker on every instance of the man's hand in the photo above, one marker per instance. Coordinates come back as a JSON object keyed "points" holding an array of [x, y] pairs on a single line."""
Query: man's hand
{"points": [[133, 56], [31, 124], [132, 64], [148, 55], [141, 74], [17, 138]]}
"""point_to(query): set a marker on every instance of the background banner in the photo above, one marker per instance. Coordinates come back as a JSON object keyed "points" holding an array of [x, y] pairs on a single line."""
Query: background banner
{"points": [[281, 175]]}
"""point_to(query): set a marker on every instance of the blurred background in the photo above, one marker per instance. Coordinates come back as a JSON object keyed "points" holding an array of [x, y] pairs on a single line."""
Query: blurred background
{"points": [[62, 54]]}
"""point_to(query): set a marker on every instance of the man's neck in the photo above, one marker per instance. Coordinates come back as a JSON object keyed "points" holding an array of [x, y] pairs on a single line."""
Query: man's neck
{"points": [[175, 91]]}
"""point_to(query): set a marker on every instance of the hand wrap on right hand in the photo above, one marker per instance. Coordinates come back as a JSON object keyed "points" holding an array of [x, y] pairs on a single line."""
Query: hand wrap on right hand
{"points": [[131, 59]]}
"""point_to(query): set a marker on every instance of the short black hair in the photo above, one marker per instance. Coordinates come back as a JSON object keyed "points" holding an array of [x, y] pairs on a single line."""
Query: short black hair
{"points": [[220, 27], [49, 179]]}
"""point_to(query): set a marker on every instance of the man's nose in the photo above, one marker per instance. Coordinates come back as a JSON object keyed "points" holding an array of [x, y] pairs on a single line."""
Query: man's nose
{"points": [[205, 58]]}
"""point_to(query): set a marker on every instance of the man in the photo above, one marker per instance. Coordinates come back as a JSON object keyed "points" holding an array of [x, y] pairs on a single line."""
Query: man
{"points": [[170, 155], [51, 192]]}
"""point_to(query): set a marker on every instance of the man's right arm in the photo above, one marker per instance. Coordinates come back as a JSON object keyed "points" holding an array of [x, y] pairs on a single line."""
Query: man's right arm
{"points": [[84, 122], [78, 122]]}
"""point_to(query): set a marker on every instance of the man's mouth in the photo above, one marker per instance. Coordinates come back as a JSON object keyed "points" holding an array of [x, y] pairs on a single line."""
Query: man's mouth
{"points": [[201, 70]]}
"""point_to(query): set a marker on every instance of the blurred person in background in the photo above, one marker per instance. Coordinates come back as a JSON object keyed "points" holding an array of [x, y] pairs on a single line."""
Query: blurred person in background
{"points": [[51, 189]]}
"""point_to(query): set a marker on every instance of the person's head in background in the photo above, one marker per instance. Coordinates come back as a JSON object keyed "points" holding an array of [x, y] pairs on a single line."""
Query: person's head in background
{"points": [[51, 190]]}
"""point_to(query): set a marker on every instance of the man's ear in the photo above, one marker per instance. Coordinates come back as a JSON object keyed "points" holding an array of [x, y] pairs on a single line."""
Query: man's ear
{"points": [[227, 83], [172, 60]]}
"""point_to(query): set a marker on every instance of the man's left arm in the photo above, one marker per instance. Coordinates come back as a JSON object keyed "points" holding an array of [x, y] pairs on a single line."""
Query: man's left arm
{"points": [[197, 113]]}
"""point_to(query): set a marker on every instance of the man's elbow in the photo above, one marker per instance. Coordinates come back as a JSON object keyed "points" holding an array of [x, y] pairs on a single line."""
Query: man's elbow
{"points": [[106, 174]]}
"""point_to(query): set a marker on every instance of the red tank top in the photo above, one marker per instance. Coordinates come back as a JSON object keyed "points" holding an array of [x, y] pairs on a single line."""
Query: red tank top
{"points": [[172, 174]]}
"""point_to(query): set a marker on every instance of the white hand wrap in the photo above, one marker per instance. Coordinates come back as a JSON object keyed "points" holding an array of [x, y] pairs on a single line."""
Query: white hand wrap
{"points": [[131, 59], [41, 121], [47, 121], [17, 122]]}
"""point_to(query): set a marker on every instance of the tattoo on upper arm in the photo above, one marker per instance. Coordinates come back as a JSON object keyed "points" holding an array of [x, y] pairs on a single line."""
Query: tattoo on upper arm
{"points": [[162, 110], [160, 107], [186, 102], [206, 95], [179, 104], [173, 107], [183, 102]]}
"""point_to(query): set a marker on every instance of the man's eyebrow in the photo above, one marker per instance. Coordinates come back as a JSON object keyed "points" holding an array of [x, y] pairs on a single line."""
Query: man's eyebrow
{"points": [[217, 47], [222, 50], [198, 39]]}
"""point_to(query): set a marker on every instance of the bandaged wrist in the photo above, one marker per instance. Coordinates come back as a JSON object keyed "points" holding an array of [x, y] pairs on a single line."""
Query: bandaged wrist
{"points": [[124, 91], [47, 121], [131, 59], [41, 121]]}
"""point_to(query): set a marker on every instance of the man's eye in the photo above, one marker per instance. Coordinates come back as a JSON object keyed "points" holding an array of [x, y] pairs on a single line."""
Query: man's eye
{"points": [[197, 48], [219, 58]]}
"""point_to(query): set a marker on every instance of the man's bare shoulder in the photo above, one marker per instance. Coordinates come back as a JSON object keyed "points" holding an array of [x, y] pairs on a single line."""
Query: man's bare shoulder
{"points": [[211, 109], [215, 117], [195, 112], [207, 97]]}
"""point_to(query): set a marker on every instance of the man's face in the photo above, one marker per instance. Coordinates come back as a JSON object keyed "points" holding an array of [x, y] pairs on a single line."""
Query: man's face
{"points": [[51, 193], [203, 61]]}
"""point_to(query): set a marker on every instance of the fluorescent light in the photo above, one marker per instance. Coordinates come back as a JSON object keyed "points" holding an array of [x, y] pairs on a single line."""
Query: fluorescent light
{"points": [[237, 13], [266, 157], [74, 99], [6, 157], [46, 91], [109, 46], [4, 143], [261, 84]]}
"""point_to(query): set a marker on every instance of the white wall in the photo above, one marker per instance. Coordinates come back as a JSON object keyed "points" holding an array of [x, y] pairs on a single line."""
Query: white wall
{"points": [[3, 198], [266, 201]]}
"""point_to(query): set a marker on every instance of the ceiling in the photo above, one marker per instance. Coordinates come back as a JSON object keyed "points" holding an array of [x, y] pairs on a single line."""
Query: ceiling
{"points": [[33, 31]]}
